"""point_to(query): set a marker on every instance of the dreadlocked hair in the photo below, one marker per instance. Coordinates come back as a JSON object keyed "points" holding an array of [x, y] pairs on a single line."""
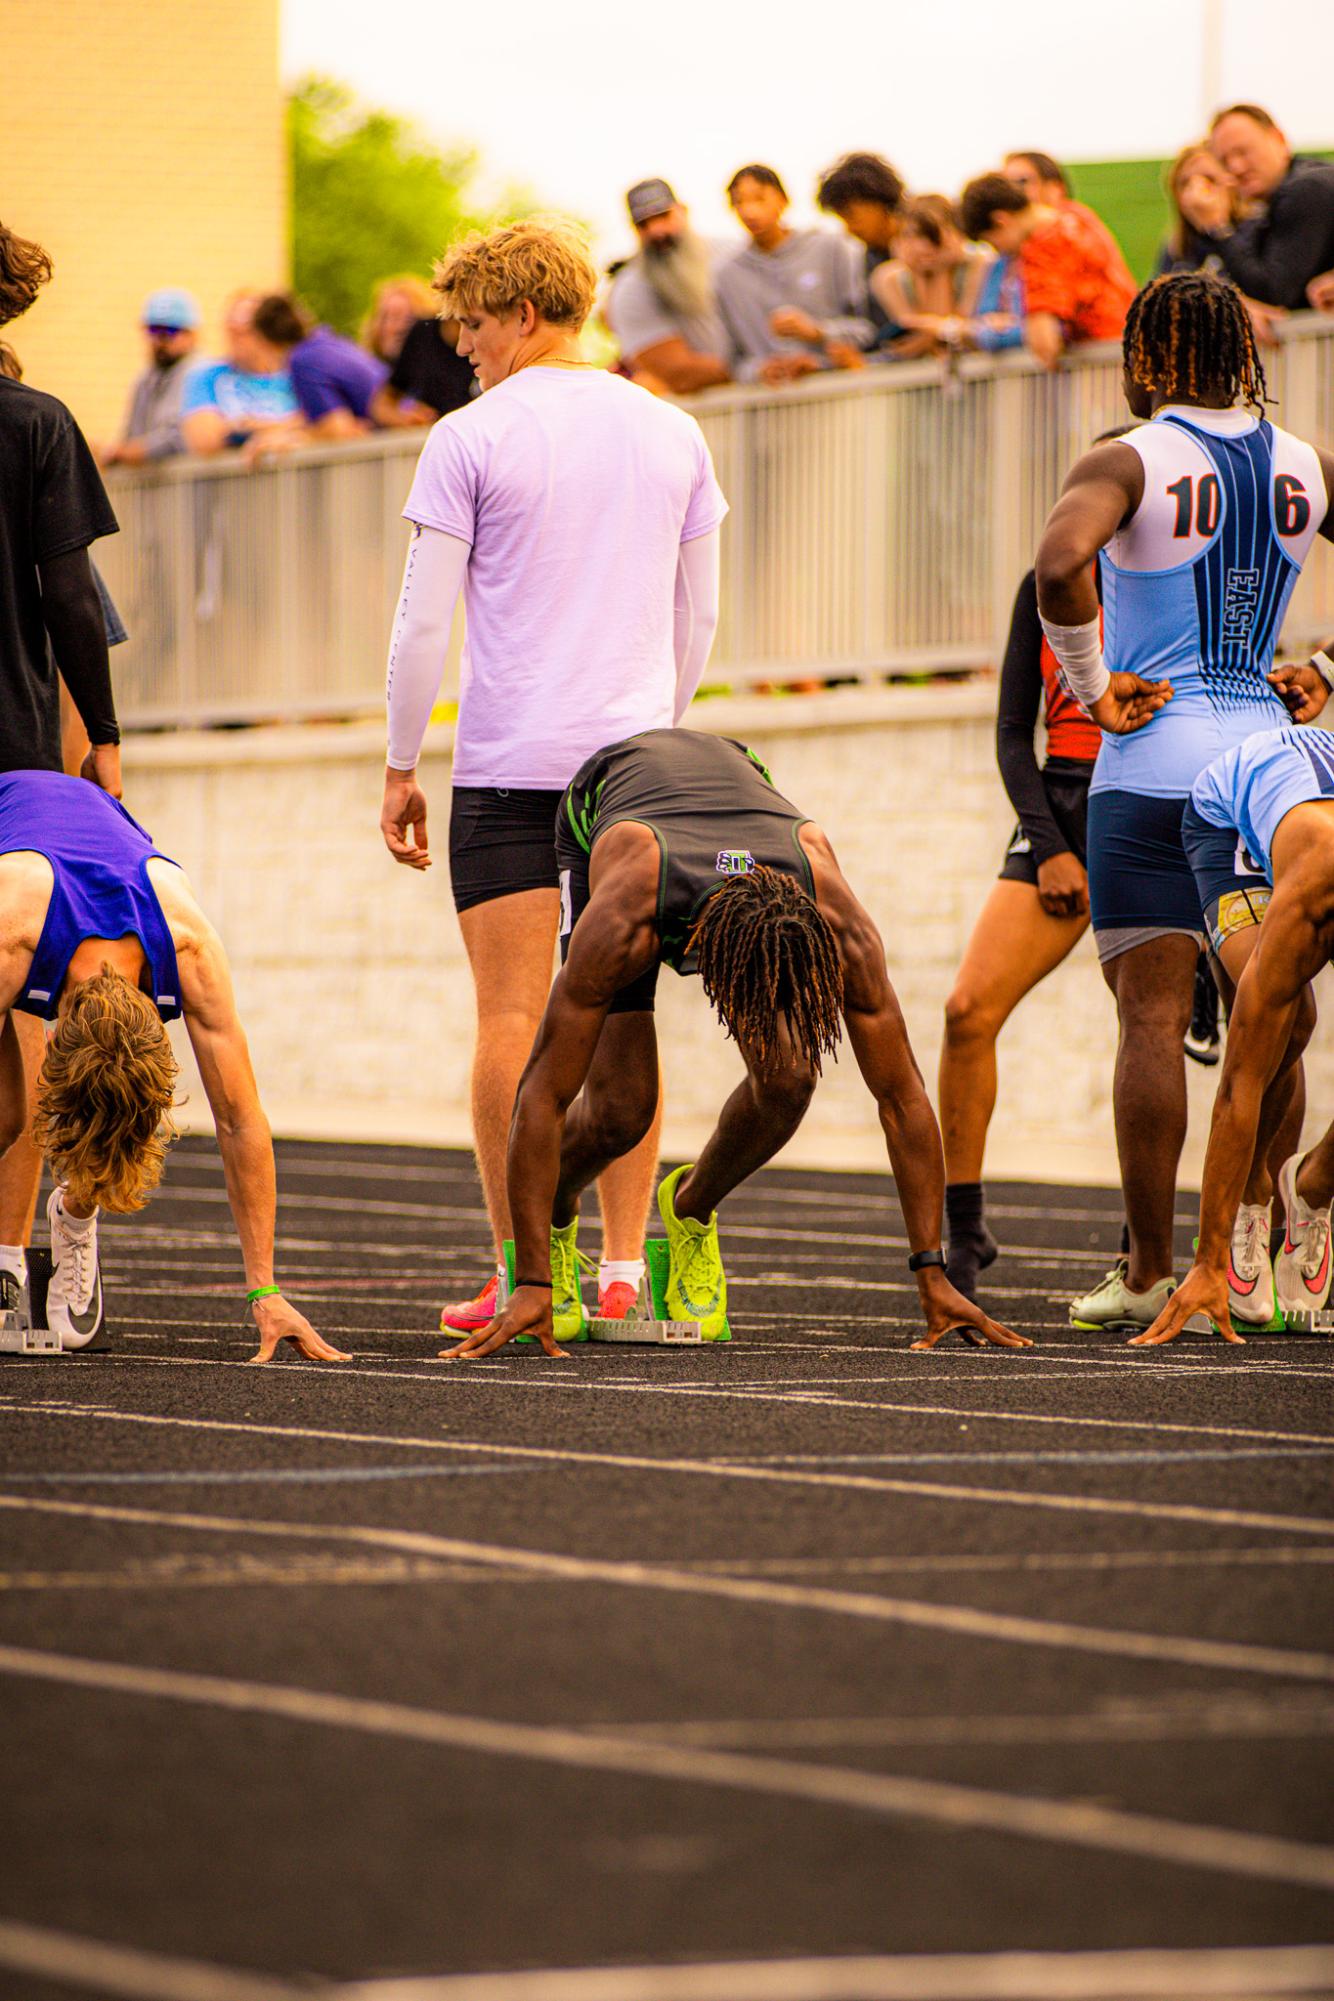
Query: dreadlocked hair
{"points": [[104, 1095], [1190, 335], [765, 950]]}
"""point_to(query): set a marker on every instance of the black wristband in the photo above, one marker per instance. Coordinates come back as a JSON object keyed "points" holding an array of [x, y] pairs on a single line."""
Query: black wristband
{"points": [[919, 1259], [545, 1283]]}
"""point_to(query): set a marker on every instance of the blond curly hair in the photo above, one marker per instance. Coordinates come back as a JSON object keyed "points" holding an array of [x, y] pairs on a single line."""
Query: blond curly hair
{"points": [[105, 1093], [547, 263]]}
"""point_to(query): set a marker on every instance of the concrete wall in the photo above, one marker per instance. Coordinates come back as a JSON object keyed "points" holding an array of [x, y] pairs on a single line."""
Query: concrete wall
{"points": [[142, 144], [356, 994]]}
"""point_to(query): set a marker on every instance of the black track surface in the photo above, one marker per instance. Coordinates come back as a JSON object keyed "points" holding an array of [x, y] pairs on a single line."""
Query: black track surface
{"points": [[938, 1498]]}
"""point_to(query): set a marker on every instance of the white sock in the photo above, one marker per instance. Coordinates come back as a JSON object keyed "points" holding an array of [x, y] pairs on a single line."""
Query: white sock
{"points": [[77, 1226], [620, 1271], [14, 1260]]}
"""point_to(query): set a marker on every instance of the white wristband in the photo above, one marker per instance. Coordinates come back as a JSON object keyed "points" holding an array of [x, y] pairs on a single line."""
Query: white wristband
{"points": [[1078, 649], [1324, 667]]}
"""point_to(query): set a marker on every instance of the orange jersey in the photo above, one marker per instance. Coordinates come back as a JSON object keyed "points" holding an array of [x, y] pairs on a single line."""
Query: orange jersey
{"points": [[1070, 733], [1077, 275]]}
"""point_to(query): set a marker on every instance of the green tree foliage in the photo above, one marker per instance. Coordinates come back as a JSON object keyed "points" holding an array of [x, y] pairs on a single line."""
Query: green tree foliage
{"points": [[370, 196]]}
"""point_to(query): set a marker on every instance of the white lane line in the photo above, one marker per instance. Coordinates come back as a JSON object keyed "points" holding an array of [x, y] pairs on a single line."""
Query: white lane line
{"points": [[1230, 1718], [1080, 1824], [1012, 1629], [861, 1483], [1106, 1559], [138, 1976], [1256, 1973]]}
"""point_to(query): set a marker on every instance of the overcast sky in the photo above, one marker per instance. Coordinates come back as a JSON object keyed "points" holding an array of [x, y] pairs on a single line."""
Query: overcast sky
{"points": [[578, 102]]}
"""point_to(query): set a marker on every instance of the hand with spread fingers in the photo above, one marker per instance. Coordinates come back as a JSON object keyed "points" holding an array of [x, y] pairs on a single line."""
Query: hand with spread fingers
{"points": [[1203, 1290], [948, 1312], [528, 1312], [278, 1320]]}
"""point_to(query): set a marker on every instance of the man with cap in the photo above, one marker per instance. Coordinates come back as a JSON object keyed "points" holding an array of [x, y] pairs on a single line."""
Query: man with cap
{"points": [[153, 420], [661, 305]]}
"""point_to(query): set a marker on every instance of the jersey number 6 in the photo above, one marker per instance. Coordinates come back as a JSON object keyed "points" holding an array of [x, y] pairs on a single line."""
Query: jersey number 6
{"points": [[1292, 509]]}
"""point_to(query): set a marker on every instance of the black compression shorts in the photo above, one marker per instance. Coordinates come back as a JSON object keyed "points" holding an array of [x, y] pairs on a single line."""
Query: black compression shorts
{"points": [[500, 842], [1068, 797]]}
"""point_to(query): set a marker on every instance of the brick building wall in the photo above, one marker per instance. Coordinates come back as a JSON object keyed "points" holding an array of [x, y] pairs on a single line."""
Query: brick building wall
{"points": [[142, 143]]}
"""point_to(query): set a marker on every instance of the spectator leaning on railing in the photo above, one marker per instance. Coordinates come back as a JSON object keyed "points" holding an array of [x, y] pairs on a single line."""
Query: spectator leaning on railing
{"points": [[661, 306], [793, 301], [153, 420], [931, 288], [866, 194], [333, 378], [428, 380], [1073, 291], [396, 305], [1283, 256], [1043, 179], [1203, 197], [248, 399]]}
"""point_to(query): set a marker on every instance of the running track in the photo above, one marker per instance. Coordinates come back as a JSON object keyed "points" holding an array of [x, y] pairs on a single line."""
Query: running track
{"points": [[806, 1669]]}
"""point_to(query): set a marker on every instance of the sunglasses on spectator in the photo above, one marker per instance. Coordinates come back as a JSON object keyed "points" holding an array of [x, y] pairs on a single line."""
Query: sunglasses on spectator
{"points": [[164, 333]]}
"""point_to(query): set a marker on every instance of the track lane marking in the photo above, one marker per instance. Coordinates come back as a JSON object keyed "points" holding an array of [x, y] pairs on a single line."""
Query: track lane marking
{"points": [[1014, 1629], [136, 1975], [1239, 1974], [864, 1483], [1080, 1824]]}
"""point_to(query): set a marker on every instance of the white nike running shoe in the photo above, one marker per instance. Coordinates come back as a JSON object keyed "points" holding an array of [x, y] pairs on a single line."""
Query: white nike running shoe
{"points": [[1250, 1276], [1112, 1305], [74, 1297], [1302, 1267]]}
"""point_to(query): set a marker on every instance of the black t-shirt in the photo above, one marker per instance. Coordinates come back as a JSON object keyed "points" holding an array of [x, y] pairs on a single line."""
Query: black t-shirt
{"points": [[1274, 258], [430, 371], [52, 500]]}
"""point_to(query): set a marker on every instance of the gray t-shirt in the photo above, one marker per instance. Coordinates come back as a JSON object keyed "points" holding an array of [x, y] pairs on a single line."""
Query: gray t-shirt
{"points": [[819, 273], [639, 319]]}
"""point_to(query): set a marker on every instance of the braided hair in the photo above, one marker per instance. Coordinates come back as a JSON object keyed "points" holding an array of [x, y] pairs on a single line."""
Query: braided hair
{"points": [[765, 950], [1189, 335]]}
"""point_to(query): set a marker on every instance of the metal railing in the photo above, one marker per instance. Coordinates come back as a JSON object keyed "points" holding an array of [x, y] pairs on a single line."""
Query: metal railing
{"points": [[880, 522]]}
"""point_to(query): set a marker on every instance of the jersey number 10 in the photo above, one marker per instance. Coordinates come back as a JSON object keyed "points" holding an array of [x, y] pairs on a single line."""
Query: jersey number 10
{"points": [[1200, 502]]}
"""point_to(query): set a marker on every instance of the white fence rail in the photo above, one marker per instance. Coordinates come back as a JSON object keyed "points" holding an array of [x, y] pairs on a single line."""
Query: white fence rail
{"points": [[879, 524]]}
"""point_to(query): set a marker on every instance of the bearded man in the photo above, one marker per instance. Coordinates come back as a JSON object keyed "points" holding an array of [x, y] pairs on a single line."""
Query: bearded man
{"points": [[661, 305]]}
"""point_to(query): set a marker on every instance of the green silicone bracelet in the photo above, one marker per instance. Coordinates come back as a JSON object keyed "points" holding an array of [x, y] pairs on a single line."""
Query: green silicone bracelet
{"points": [[262, 1292]]}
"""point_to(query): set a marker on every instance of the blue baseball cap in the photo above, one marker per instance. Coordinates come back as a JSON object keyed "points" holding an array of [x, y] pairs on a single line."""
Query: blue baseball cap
{"points": [[170, 308]]}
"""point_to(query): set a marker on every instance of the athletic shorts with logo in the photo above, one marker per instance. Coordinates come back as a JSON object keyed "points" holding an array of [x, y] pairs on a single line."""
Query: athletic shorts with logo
{"points": [[1066, 784]]}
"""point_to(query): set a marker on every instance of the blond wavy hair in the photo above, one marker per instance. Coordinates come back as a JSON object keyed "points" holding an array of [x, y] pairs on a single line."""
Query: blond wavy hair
{"points": [[547, 263], [105, 1093]]}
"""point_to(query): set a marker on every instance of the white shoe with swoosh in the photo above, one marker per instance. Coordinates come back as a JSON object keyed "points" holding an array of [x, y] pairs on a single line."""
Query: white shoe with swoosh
{"points": [[1302, 1267]]}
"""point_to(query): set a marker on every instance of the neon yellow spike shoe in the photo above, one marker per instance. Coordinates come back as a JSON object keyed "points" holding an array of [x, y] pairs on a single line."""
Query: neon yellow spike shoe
{"points": [[696, 1281], [569, 1321]]}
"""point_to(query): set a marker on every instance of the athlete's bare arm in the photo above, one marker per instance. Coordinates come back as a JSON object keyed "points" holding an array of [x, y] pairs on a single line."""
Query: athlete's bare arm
{"points": [[884, 1056], [1099, 497], [244, 1141], [1294, 943], [614, 941]]}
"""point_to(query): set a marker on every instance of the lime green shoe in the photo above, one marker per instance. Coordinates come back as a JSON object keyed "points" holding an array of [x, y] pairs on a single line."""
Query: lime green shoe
{"points": [[696, 1282], [569, 1321]]}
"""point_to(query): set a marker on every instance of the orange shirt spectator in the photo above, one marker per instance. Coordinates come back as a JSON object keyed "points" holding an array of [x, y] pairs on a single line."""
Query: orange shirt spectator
{"points": [[1076, 286]]}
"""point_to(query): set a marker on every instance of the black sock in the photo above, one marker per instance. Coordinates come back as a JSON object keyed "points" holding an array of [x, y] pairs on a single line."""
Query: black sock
{"points": [[964, 1209], [1125, 1240]]}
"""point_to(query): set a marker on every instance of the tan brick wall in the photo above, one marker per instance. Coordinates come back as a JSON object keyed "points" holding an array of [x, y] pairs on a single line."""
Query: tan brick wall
{"points": [[142, 143]]}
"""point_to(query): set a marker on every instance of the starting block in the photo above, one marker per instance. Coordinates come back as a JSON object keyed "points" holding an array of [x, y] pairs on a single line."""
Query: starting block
{"points": [[23, 1329], [1318, 1320], [649, 1325]]}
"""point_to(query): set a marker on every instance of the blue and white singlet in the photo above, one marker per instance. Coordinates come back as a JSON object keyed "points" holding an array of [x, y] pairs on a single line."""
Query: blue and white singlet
{"points": [[1256, 783], [1194, 587]]}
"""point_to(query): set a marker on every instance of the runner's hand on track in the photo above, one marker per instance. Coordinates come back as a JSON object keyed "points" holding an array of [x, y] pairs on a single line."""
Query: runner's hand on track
{"points": [[948, 1312], [278, 1320], [529, 1312], [1129, 703], [1202, 1290], [404, 807], [1063, 887], [1301, 690]]}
